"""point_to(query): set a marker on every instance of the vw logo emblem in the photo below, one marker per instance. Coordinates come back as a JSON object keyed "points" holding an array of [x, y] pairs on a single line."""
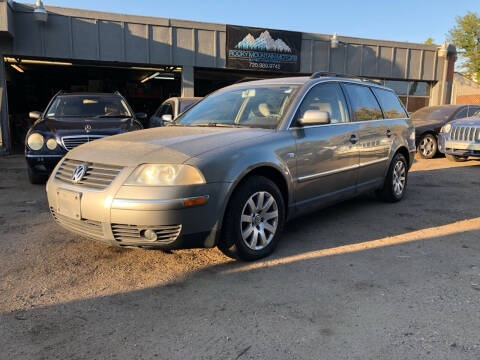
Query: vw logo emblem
{"points": [[88, 127], [79, 172]]}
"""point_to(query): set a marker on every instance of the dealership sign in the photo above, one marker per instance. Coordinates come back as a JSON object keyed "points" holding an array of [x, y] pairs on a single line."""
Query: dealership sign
{"points": [[263, 49]]}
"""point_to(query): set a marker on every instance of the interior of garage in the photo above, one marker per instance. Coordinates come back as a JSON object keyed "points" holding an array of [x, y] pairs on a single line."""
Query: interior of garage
{"points": [[208, 80], [32, 83]]}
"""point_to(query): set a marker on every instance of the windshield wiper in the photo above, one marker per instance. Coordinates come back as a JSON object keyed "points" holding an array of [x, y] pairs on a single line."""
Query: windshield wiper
{"points": [[215, 124], [111, 116]]}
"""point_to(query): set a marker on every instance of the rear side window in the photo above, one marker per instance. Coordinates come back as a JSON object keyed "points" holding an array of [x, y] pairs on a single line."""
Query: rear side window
{"points": [[364, 104], [390, 104]]}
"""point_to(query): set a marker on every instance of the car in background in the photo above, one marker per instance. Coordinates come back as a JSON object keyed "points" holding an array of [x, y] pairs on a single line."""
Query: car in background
{"points": [[171, 109], [460, 139], [429, 120], [231, 170], [72, 119]]}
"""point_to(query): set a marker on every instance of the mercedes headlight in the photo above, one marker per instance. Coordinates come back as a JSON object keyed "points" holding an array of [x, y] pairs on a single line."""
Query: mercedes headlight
{"points": [[446, 128], [165, 175], [51, 144], [35, 141]]}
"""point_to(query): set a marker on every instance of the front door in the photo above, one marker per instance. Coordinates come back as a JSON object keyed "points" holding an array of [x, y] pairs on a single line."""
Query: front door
{"points": [[327, 155]]}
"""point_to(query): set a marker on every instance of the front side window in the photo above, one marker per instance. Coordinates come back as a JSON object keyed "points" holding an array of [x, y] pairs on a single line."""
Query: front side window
{"points": [[254, 106], [88, 106], [165, 109], [473, 111], [390, 104], [364, 104], [463, 113], [328, 98]]}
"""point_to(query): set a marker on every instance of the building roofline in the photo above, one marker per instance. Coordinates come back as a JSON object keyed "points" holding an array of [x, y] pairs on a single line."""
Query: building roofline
{"points": [[150, 20]]}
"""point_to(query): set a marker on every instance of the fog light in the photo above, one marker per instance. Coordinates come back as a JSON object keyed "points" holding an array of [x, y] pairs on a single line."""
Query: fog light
{"points": [[149, 235]]}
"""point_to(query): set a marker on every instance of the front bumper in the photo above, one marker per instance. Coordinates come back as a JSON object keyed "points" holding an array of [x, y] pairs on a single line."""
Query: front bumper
{"points": [[458, 148], [42, 164], [120, 214]]}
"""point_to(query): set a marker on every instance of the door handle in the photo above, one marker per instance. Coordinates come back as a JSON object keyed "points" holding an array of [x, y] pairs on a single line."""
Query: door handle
{"points": [[353, 139], [389, 133]]}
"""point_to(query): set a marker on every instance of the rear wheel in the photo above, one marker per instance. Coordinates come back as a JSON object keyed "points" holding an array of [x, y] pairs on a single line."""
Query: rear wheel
{"points": [[456, 158], [35, 178], [427, 148], [396, 181], [254, 220]]}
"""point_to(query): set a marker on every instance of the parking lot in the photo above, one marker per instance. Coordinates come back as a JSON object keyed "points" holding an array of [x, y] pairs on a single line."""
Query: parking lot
{"points": [[361, 280]]}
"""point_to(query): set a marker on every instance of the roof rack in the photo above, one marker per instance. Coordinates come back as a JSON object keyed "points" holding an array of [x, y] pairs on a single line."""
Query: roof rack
{"points": [[320, 74]]}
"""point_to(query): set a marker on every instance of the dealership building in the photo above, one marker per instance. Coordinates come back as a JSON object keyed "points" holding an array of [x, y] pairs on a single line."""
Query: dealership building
{"points": [[148, 59]]}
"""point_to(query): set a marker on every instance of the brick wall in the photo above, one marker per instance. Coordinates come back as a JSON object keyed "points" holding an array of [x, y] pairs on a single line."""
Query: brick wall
{"points": [[468, 99]]}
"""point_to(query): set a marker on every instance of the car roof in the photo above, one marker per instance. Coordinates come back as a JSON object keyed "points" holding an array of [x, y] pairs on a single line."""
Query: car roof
{"points": [[88, 94], [302, 80]]}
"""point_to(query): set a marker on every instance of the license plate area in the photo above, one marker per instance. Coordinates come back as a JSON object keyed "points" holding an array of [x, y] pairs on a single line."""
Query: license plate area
{"points": [[68, 204]]}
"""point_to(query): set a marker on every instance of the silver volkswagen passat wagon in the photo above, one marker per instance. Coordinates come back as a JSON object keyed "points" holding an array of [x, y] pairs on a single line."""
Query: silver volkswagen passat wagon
{"points": [[232, 169]]}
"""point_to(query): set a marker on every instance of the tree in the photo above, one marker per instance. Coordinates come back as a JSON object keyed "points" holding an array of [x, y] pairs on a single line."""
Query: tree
{"points": [[465, 35], [429, 41]]}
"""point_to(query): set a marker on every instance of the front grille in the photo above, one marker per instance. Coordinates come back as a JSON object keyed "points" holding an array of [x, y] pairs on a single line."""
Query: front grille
{"points": [[133, 233], [465, 133], [89, 228], [70, 142], [97, 176]]}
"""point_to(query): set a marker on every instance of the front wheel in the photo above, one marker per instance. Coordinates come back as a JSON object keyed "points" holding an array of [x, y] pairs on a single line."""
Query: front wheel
{"points": [[427, 148], [254, 220], [396, 180], [456, 158]]}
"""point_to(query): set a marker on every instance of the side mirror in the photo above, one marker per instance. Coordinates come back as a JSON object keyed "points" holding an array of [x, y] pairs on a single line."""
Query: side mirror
{"points": [[35, 115], [314, 117], [167, 117], [141, 116]]}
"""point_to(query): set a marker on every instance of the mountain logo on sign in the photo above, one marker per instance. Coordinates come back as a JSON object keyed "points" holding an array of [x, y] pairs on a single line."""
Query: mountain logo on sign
{"points": [[263, 42]]}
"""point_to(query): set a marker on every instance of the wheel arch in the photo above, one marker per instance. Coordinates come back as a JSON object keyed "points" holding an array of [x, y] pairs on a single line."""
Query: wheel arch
{"points": [[271, 172]]}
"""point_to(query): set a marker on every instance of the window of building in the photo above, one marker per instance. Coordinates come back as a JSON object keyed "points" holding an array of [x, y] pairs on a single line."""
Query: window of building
{"points": [[413, 94], [364, 104]]}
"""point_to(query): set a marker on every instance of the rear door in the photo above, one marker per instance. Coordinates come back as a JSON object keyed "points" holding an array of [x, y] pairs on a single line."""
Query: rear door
{"points": [[327, 157], [374, 132]]}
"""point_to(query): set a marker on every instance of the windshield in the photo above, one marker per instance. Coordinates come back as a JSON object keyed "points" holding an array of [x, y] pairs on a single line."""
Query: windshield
{"points": [[104, 106], [255, 106], [434, 113]]}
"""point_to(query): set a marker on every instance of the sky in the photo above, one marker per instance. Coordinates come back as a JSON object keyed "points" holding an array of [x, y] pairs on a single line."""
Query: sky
{"points": [[405, 20]]}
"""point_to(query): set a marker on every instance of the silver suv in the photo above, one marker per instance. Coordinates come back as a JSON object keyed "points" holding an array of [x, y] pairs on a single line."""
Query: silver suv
{"points": [[231, 170]]}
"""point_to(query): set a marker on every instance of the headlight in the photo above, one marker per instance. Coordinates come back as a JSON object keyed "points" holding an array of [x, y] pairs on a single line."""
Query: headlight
{"points": [[446, 128], [51, 144], [35, 141], [165, 175]]}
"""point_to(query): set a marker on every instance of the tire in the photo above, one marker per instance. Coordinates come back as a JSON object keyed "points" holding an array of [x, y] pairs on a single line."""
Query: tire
{"points": [[428, 146], [35, 178], [247, 235], [393, 190], [456, 158]]}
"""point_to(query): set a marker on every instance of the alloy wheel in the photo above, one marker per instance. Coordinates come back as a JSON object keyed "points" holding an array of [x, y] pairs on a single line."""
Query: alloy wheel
{"points": [[259, 220], [427, 146], [399, 178]]}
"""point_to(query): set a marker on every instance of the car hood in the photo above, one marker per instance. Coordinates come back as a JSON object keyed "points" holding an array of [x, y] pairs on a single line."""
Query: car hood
{"points": [[426, 122], [169, 144], [467, 122], [79, 125]]}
